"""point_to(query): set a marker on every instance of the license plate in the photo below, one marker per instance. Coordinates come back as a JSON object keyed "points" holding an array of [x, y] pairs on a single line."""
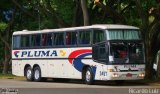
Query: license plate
{"points": [[128, 75]]}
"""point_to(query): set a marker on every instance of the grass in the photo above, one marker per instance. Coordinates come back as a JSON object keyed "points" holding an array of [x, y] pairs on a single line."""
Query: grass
{"points": [[10, 76]]}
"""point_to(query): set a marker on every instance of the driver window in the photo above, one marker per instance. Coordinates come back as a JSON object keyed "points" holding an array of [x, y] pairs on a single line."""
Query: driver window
{"points": [[98, 36]]}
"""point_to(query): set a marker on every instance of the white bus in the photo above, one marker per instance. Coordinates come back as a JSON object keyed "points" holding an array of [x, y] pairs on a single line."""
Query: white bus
{"points": [[97, 52]]}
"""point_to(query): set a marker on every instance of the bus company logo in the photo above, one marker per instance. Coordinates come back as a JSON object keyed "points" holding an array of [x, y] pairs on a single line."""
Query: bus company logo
{"points": [[16, 53], [62, 52], [49, 53]]}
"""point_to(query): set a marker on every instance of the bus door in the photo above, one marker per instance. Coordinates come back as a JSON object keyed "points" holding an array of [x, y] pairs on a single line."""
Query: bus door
{"points": [[100, 56]]}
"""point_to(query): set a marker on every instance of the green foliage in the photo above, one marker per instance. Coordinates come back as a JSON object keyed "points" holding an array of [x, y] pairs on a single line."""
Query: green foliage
{"points": [[65, 9], [46, 24], [3, 26], [6, 4], [151, 19], [6, 75]]}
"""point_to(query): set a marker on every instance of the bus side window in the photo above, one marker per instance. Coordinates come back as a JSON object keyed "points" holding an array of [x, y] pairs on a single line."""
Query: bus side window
{"points": [[16, 42], [46, 39], [84, 37], [43, 39], [71, 38], [49, 39], [25, 41], [98, 36], [58, 39], [35, 40]]}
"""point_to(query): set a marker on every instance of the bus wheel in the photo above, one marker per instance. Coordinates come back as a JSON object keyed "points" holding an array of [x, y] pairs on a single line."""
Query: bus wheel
{"points": [[37, 74], [29, 74], [89, 76]]}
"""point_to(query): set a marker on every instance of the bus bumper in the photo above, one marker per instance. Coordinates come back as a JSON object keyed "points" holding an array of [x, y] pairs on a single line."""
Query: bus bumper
{"points": [[126, 76]]}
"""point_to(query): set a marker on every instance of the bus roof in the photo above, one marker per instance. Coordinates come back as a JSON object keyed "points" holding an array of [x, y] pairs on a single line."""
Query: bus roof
{"points": [[98, 26]]}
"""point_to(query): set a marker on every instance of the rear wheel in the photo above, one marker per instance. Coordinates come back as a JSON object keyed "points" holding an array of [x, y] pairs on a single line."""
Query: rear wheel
{"points": [[29, 74], [37, 74], [89, 76]]}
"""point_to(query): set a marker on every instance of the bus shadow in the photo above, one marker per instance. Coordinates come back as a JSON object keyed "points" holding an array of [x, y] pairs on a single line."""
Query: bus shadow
{"points": [[125, 83], [99, 83]]}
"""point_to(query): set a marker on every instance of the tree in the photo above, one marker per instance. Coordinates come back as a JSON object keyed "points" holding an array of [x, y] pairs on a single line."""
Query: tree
{"points": [[118, 11], [113, 12], [150, 31], [41, 14], [6, 24], [85, 12]]}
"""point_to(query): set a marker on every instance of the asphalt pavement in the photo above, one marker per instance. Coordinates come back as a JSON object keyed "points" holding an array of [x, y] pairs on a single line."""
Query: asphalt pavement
{"points": [[12, 86]]}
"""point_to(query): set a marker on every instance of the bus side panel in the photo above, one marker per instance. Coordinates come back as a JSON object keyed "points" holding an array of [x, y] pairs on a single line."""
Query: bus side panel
{"points": [[55, 68], [62, 69], [17, 68]]}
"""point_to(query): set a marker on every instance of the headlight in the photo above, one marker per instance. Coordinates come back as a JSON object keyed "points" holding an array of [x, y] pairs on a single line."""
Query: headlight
{"points": [[115, 75], [141, 75]]}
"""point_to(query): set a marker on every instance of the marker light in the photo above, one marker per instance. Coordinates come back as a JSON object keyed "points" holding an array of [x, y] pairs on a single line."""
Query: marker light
{"points": [[110, 70]]}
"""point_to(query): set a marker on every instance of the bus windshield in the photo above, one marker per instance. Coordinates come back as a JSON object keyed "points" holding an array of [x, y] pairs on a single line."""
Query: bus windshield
{"points": [[127, 52], [118, 34]]}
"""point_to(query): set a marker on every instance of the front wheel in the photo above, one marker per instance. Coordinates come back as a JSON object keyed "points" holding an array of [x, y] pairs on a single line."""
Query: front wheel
{"points": [[89, 76], [29, 74], [37, 74]]}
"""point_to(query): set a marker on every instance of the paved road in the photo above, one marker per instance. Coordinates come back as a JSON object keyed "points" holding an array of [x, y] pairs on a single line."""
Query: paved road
{"points": [[72, 87]]}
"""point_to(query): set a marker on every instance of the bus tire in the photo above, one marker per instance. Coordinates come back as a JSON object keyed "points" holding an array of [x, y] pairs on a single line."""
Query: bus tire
{"points": [[88, 76], [29, 74], [37, 74]]}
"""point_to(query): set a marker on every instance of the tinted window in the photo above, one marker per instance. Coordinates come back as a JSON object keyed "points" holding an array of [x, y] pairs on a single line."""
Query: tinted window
{"points": [[35, 40], [100, 53], [16, 42], [123, 35], [98, 36], [85, 37], [71, 38], [46, 39], [58, 39], [25, 41]]}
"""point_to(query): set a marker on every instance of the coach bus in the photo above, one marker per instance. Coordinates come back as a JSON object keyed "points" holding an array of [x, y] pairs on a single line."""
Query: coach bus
{"points": [[96, 52]]}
